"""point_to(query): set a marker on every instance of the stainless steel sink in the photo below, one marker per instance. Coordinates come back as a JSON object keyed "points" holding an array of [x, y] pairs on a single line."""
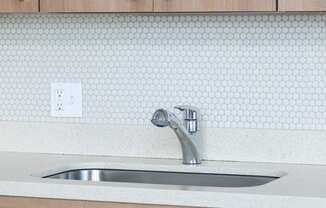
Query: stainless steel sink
{"points": [[166, 178]]}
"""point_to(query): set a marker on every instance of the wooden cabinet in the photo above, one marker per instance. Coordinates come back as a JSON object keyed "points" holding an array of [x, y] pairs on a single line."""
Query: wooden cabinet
{"points": [[19, 5], [302, 5], [213, 5], [117, 205], [156, 5], [20, 202], [202, 6], [96, 5]]}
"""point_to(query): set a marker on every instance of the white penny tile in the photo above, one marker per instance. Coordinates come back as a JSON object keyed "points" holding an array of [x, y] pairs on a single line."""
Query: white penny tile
{"points": [[242, 71]]}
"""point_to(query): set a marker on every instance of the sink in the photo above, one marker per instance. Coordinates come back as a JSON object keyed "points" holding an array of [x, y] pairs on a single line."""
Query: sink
{"points": [[165, 178]]}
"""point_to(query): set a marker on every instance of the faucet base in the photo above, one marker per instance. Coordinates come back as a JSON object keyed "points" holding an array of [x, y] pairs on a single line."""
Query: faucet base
{"points": [[192, 162]]}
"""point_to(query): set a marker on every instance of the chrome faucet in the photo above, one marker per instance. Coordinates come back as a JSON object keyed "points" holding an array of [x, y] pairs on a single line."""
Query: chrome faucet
{"points": [[187, 131]]}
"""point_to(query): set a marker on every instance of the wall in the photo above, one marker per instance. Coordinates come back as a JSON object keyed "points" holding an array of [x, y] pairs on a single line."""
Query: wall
{"points": [[258, 79]]}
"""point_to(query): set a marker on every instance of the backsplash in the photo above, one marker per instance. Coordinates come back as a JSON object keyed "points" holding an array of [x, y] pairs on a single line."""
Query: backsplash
{"points": [[241, 71]]}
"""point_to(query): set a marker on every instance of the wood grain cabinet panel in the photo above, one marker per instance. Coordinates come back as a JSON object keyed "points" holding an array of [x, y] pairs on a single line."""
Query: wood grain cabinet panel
{"points": [[213, 5], [302, 5], [19, 6], [118, 205], [21, 202], [96, 5]]}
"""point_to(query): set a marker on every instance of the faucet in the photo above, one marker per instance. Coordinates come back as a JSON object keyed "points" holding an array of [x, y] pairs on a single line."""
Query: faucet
{"points": [[187, 131]]}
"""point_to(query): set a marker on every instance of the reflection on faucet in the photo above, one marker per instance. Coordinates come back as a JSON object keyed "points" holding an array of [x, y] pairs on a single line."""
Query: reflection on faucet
{"points": [[186, 131]]}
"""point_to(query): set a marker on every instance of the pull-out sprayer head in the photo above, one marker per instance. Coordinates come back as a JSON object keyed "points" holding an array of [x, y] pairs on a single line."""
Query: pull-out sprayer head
{"points": [[160, 118]]}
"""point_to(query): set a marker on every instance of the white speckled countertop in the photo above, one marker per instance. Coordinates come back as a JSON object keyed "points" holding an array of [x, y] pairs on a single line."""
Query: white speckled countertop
{"points": [[300, 185]]}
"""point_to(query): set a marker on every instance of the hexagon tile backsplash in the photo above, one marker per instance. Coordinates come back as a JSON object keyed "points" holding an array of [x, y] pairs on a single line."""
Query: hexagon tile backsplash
{"points": [[242, 71]]}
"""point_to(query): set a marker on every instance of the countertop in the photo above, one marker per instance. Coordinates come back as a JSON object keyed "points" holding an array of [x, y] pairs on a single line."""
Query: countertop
{"points": [[300, 185]]}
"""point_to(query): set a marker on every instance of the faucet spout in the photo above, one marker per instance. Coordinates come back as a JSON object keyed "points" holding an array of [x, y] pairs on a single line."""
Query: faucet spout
{"points": [[189, 140]]}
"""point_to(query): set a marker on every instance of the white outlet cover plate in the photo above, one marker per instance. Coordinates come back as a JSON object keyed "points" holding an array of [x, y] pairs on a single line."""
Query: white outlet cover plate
{"points": [[66, 99]]}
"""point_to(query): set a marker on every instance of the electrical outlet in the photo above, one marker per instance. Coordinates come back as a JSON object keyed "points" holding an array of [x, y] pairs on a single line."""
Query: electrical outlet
{"points": [[66, 99]]}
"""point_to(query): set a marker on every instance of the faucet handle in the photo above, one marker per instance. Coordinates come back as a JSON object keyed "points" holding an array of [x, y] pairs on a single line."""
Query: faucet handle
{"points": [[190, 112]]}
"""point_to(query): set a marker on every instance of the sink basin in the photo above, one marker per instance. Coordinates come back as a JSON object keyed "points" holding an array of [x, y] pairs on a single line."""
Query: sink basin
{"points": [[165, 178]]}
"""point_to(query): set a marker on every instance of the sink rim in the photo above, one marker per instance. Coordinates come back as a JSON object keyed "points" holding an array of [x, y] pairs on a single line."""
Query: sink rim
{"points": [[160, 171], [247, 176], [230, 169]]}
